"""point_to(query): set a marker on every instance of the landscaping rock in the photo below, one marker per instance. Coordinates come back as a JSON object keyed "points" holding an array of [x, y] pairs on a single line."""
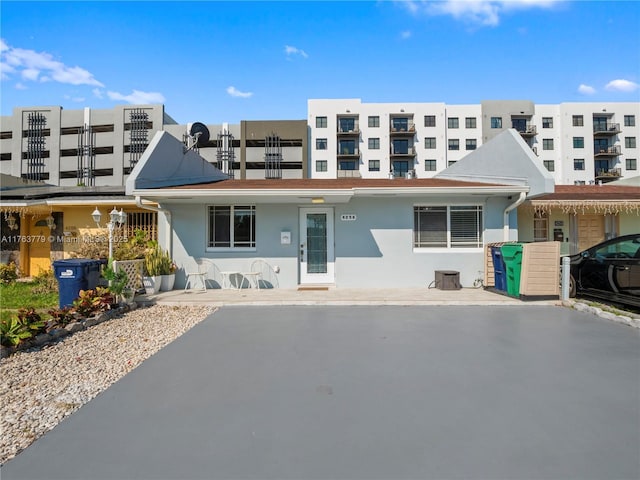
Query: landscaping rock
{"points": [[74, 327], [42, 339]]}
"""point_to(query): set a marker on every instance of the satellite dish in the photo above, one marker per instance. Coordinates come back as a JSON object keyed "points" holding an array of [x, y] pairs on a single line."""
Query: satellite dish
{"points": [[200, 133]]}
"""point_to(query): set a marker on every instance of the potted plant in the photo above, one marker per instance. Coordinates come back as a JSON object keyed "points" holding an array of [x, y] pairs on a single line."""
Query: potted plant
{"points": [[152, 270], [167, 271]]}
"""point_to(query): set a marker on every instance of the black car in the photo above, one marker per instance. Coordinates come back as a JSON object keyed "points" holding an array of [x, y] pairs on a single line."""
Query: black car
{"points": [[609, 271]]}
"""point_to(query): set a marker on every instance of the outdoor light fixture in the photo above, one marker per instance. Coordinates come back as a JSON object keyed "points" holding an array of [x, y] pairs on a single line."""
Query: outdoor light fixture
{"points": [[11, 222], [50, 222], [117, 219], [317, 200]]}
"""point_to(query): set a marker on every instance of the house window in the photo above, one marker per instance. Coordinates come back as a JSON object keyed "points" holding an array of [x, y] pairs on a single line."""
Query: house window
{"points": [[347, 165], [453, 122], [374, 143], [321, 143], [470, 122], [549, 165], [321, 165], [430, 165], [374, 165], [631, 164], [429, 120], [400, 147], [547, 143], [629, 120], [374, 121], [430, 142], [578, 163], [471, 143], [400, 124], [347, 124], [447, 227], [496, 122], [232, 226], [547, 122], [578, 142], [578, 120], [454, 144], [321, 122], [347, 147], [451, 162], [630, 142], [540, 227]]}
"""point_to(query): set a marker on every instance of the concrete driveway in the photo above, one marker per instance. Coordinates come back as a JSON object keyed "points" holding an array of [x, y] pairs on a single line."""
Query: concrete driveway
{"points": [[362, 392]]}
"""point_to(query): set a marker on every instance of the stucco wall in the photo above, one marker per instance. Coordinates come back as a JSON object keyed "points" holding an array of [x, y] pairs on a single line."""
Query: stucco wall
{"points": [[375, 250]]}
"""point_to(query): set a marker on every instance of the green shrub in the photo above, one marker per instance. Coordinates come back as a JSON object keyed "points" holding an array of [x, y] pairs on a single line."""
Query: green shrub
{"points": [[90, 302], [45, 282], [62, 316], [8, 273], [13, 332]]}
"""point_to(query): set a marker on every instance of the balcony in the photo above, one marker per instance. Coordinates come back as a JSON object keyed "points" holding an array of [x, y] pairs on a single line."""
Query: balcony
{"points": [[349, 173], [605, 130], [528, 131], [610, 151], [608, 175], [403, 152], [402, 130], [349, 130], [349, 153]]}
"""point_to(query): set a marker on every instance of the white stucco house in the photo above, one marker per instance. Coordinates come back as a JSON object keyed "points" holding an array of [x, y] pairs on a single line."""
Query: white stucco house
{"points": [[347, 232]]}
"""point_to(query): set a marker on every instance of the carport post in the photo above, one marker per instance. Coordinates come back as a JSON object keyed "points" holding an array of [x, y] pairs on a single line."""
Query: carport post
{"points": [[564, 294]]}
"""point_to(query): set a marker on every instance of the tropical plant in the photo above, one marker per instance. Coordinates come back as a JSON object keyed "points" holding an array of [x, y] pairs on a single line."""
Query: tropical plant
{"points": [[134, 248], [90, 302], [8, 273], [153, 261], [13, 332], [165, 264], [62, 316], [117, 279]]}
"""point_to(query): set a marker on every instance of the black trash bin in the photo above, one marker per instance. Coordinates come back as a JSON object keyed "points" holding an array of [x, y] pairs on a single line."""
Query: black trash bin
{"points": [[499, 269], [73, 275]]}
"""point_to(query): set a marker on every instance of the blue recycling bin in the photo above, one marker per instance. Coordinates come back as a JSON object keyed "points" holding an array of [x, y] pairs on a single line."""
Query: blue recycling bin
{"points": [[499, 269], [73, 275]]}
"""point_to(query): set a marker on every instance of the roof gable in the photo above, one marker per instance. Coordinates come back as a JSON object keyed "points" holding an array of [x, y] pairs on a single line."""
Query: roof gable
{"points": [[505, 159], [167, 163]]}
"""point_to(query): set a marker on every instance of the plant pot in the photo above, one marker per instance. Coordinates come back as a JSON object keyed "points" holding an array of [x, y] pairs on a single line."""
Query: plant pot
{"points": [[152, 284], [167, 282], [127, 295]]}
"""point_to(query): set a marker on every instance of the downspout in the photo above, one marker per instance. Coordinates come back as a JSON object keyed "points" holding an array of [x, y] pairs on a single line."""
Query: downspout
{"points": [[505, 228], [167, 214]]}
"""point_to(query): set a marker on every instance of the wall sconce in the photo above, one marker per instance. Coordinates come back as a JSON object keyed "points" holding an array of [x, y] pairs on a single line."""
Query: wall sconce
{"points": [[317, 200], [11, 221], [50, 222]]}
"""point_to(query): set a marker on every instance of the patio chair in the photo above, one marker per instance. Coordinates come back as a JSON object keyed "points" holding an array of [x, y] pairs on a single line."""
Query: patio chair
{"points": [[267, 275], [200, 274]]}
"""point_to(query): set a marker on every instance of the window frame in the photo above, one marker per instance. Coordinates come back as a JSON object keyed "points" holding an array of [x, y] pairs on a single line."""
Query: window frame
{"points": [[496, 122], [453, 144], [373, 143], [629, 120], [373, 168], [373, 121], [577, 120], [430, 143], [547, 144], [470, 122], [578, 164], [232, 230], [578, 142], [470, 144], [547, 122], [322, 162], [431, 162], [631, 164], [321, 122], [549, 163], [429, 120], [449, 245], [630, 142], [453, 122], [321, 144]]}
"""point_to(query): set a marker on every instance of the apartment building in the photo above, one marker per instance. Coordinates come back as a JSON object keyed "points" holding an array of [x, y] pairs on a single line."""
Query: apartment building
{"points": [[580, 143], [100, 147]]}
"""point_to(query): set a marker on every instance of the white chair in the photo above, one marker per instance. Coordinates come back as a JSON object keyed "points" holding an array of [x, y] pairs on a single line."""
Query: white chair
{"points": [[199, 275], [266, 275]]}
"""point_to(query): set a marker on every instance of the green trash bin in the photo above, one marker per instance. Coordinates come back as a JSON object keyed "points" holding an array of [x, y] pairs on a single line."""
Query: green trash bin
{"points": [[512, 256]]}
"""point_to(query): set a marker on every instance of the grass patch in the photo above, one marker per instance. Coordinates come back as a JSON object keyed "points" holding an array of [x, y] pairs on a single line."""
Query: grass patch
{"points": [[18, 295]]}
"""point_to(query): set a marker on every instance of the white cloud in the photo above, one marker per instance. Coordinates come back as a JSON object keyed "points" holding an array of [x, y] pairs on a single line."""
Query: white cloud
{"points": [[291, 51], [21, 86], [97, 93], [621, 85], [34, 66], [586, 89], [75, 99], [405, 35], [485, 13], [234, 92], [137, 97]]}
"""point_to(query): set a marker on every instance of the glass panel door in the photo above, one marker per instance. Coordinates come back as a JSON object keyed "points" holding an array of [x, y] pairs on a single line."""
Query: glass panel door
{"points": [[316, 245]]}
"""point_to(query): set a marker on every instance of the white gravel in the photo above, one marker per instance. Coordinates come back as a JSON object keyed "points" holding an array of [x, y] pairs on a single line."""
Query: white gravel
{"points": [[39, 388]]}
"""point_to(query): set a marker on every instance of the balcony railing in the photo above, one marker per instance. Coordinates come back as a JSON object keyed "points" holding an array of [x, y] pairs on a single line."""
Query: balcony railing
{"points": [[528, 131], [610, 151], [402, 129], [409, 152], [349, 130], [348, 153], [601, 129], [349, 173], [609, 173]]}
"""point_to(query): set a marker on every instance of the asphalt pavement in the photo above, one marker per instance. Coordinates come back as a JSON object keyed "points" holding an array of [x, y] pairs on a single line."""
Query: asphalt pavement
{"points": [[365, 392]]}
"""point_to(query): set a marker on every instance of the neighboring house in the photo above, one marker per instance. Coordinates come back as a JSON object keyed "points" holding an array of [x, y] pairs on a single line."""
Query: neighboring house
{"points": [[577, 142], [581, 216], [351, 232], [43, 223]]}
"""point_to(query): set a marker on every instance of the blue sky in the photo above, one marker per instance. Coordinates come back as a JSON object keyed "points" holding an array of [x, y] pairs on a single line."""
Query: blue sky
{"points": [[214, 61]]}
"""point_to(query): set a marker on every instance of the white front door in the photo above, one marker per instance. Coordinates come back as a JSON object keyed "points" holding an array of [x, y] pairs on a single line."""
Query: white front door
{"points": [[316, 246]]}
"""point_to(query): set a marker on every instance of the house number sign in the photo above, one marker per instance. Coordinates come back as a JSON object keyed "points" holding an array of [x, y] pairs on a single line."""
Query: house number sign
{"points": [[348, 217]]}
